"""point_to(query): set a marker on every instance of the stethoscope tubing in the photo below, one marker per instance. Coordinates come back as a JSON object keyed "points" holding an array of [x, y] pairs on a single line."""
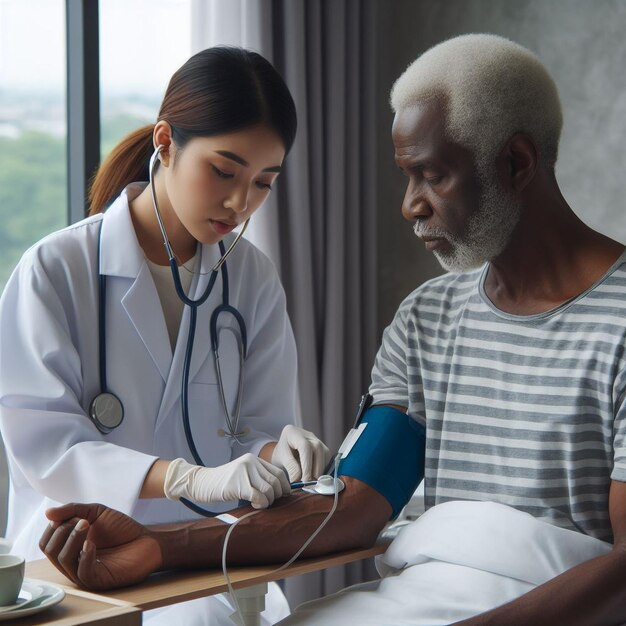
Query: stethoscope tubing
{"points": [[193, 305], [101, 336], [193, 316], [154, 163], [106, 409]]}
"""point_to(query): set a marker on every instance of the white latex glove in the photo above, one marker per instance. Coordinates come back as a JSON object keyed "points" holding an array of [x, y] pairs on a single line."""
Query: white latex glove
{"points": [[300, 453], [246, 478]]}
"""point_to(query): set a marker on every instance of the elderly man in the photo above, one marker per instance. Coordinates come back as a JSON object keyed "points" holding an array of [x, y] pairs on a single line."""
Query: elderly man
{"points": [[513, 362]]}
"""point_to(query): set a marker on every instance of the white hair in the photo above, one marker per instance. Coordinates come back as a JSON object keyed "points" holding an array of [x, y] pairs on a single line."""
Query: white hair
{"points": [[491, 88]]}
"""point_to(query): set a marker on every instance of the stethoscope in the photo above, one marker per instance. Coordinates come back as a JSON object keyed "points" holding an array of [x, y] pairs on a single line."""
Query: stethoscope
{"points": [[106, 409]]}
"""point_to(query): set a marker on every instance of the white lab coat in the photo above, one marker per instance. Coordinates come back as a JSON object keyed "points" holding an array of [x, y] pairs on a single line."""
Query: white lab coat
{"points": [[49, 372]]}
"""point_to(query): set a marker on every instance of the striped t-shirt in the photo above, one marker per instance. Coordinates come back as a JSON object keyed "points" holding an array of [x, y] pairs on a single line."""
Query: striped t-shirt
{"points": [[527, 410]]}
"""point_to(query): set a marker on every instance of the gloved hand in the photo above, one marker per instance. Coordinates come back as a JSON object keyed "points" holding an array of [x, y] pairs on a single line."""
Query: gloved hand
{"points": [[300, 453], [246, 478]]}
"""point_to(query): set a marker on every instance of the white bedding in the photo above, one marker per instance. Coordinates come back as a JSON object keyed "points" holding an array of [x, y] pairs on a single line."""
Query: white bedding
{"points": [[457, 560]]}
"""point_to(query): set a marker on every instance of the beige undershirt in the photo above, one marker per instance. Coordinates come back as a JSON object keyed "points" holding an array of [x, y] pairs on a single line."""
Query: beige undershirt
{"points": [[170, 302]]}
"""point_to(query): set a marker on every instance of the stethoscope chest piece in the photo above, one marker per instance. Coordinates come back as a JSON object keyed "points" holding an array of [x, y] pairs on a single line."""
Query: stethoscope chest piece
{"points": [[106, 412], [325, 486]]}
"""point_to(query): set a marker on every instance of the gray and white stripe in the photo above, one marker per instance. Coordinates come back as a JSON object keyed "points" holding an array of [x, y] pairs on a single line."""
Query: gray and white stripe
{"points": [[524, 410]]}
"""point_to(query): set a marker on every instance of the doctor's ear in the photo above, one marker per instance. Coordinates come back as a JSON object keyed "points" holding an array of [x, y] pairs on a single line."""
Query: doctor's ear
{"points": [[162, 138], [163, 153]]}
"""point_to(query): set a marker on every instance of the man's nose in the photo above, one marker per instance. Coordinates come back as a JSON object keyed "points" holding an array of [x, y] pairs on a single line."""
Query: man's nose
{"points": [[415, 205]]}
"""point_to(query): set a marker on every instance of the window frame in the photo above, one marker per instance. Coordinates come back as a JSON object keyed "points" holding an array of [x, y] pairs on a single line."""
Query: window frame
{"points": [[83, 102]]}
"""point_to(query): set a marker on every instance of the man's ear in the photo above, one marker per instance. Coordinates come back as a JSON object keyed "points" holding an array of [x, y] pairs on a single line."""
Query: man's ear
{"points": [[517, 162]]}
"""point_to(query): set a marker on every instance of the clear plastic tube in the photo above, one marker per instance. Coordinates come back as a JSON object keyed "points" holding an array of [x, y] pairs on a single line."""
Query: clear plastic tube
{"points": [[295, 556]]}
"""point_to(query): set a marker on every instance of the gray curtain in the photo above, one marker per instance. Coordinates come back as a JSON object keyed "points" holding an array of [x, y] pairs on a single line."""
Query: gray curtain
{"points": [[328, 221]]}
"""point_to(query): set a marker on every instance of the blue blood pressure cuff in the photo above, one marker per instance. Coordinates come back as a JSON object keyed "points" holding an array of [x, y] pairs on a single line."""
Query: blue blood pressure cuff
{"points": [[388, 455]]}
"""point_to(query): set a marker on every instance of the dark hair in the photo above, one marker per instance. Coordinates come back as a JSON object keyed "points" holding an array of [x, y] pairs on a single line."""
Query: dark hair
{"points": [[218, 90]]}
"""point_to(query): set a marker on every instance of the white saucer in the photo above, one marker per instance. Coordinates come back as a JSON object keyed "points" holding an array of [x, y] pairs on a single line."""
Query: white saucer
{"points": [[31, 591]]}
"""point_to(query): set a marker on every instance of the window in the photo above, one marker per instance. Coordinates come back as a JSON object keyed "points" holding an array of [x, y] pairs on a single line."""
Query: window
{"points": [[141, 46], [33, 173]]}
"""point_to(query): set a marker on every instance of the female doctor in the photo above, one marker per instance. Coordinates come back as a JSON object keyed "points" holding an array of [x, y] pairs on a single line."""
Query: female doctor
{"points": [[94, 308]]}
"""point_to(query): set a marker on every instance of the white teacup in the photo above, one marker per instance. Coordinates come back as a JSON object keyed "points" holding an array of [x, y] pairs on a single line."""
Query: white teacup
{"points": [[11, 578]]}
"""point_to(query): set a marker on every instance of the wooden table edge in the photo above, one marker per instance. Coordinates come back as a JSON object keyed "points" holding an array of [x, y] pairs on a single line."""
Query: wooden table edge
{"points": [[242, 577], [105, 617], [190, 585]]}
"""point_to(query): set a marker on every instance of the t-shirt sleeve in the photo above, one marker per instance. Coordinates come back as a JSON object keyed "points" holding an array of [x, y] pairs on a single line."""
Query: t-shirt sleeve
{"points": [[389, 375], [619, 428]]}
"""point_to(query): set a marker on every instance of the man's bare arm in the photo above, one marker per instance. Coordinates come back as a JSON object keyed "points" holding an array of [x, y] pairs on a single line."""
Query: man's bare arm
{"points": [[275, 534], [593, 592], [108, 549]]}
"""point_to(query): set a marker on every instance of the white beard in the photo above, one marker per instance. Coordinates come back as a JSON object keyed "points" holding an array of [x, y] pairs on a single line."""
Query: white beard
{"points": [[488, 232]]}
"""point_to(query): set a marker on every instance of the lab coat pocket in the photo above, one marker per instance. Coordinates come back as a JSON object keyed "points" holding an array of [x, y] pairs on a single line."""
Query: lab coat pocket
{"points": [[227, 366], [207, 373], [206, 405], [206, 419]]}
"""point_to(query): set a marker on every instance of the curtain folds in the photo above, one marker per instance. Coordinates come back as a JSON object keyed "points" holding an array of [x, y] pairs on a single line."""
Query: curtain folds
{"points": [[322, 230], [327, 204]]}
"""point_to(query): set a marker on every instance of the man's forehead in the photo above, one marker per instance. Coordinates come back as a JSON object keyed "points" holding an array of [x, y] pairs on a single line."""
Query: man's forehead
{"points": [[419, 123]]}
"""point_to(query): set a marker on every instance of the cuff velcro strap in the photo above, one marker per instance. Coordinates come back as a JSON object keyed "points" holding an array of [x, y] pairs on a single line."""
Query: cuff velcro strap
{"points": [[388, 456]]}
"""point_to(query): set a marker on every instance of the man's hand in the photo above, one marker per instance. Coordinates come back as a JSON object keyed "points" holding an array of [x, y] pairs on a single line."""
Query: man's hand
{"points": [[301, 453], [99, 548]]}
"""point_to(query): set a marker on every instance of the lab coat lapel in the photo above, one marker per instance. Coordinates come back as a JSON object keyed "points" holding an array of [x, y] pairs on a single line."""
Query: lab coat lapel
{"points": [[122, 257], [144, 309], [202, 341]]}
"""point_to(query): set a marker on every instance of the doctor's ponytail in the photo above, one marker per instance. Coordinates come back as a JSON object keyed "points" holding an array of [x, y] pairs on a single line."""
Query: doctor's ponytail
{"points": [[127, 162], [217, 91]]}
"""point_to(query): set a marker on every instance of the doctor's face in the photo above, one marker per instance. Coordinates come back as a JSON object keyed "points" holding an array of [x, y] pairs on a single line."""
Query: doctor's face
{"points": [[218, 182]]}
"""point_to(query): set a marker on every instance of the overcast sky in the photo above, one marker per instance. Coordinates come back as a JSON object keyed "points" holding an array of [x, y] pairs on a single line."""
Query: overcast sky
{"points": [[142, 42]]}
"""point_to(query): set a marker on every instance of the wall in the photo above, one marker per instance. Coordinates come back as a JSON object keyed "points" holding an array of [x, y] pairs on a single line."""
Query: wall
{"points": [[583, 46]]}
